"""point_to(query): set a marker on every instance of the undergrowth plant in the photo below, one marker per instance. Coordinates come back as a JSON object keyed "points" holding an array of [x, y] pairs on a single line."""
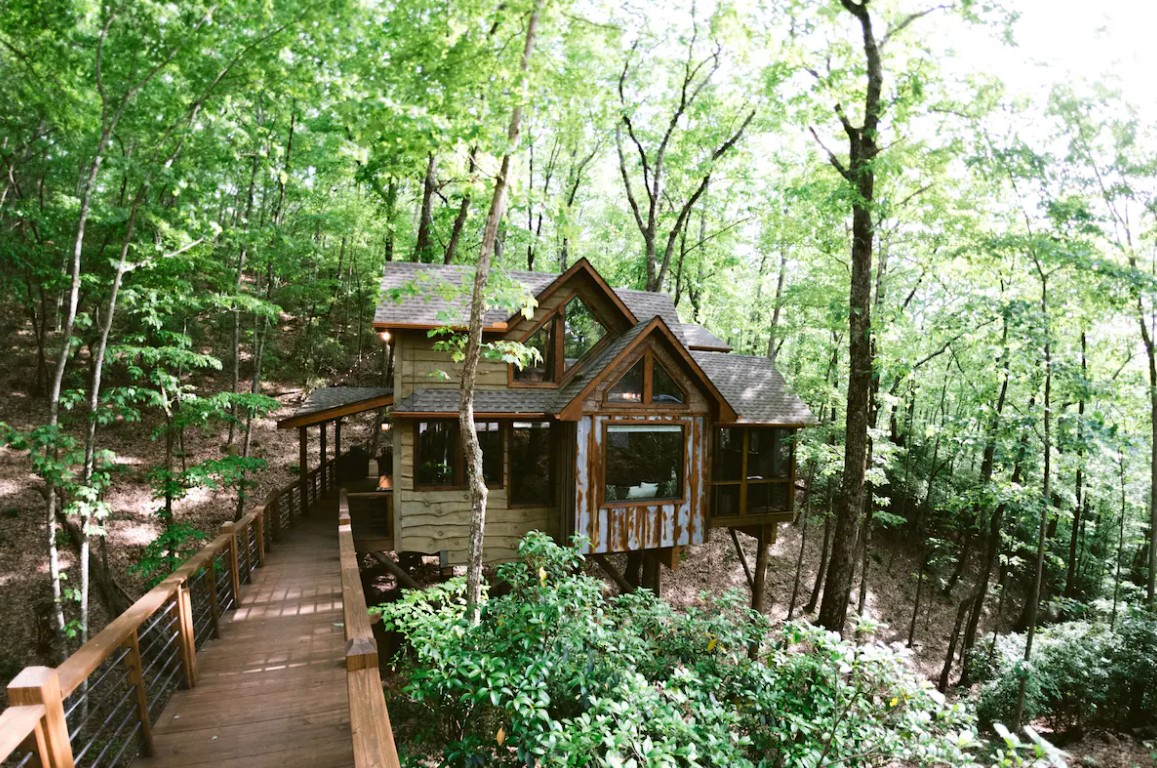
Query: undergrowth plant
{"points": [[556, 673]]}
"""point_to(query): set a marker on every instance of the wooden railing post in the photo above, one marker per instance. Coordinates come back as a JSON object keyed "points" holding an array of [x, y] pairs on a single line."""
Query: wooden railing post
{"points": [[188, 640], [41, 685], [137, 678], [234, 568]]}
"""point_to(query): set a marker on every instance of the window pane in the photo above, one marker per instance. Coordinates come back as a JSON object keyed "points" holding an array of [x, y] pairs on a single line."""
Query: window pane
{"points": [[582, 330], [436, 454], [728, 459], [763, 498], [629, 389], [490, 439], [724, 500], [769, 454], [663, 387], [643, 462], [543, 368], [531, 480]]}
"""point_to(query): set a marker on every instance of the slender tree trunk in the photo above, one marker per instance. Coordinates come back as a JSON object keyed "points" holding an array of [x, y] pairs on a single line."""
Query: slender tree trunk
{"points": [[773, 340], [463, 215], [1046, 495], [424, 247], [470, 448], [1075, 534], [862, 150]]}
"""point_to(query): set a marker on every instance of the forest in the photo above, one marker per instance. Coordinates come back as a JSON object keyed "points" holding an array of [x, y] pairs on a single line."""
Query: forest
{"points": [[955, 271]]}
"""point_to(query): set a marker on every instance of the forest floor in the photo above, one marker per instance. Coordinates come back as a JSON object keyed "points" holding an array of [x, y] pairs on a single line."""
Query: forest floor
{"points": [[707, 571]]}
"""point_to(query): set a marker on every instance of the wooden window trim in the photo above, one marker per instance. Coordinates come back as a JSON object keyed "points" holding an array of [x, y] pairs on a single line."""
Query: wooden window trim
{"points": [[661, 501]]}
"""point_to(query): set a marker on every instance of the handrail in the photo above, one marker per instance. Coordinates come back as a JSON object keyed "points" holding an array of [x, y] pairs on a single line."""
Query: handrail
{"points": [[373, 736], [126, 672]]}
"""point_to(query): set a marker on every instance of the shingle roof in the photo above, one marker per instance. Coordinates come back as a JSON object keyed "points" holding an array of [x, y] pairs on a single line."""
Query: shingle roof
{"points": [[698, 337], [325, 399], [440, 294], [754, 389], [593, 367], [646, 305], [529, 401]]}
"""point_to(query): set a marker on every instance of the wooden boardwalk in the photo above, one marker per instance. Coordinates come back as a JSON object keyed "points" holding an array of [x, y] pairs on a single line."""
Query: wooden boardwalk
{"points": [[271, 690]]}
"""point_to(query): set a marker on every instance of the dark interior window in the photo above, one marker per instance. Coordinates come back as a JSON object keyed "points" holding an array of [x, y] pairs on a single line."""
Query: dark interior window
{"points": [[629, 389], [436, 457], [490, 440], [751, 471], [581, 331], [728, 464], [541, 369], [663, 387], [531, 478], [643, 461]]}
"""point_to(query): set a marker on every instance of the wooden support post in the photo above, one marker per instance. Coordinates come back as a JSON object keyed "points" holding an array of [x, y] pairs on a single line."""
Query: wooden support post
{"points": [[634, 565], [337, 439], [742, 560], [137, 678], [188, 639], [766, 535], [41, 685], [404, 579], [652, 573], [302, 467], [605, 564], [234, 569], [214, 606], [259, 521]]}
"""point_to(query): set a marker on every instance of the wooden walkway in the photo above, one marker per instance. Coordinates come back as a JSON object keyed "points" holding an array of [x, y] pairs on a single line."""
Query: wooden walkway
{"points": [[271, 690]]}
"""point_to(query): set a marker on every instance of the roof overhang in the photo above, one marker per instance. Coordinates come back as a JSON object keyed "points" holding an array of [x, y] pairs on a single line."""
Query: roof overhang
{"points": [[327, 404], [583, 268]]}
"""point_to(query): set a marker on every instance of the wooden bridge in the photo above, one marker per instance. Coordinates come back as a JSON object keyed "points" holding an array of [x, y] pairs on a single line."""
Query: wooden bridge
{"points": [[257, 651]]}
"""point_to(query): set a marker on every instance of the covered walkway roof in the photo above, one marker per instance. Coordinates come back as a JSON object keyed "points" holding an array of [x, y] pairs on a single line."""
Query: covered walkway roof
{"points": [[327, 404]]}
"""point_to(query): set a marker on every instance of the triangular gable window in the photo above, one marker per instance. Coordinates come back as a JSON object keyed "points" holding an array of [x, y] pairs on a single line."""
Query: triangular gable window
{"points": [[582, 330], [663, 387], [647, 383], [542, 368], [629, 389]]}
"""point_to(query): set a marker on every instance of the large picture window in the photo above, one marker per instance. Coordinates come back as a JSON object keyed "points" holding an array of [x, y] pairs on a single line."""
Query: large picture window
{"points": [[531, 471], [751, 472], [642, 462], [438, 459]]}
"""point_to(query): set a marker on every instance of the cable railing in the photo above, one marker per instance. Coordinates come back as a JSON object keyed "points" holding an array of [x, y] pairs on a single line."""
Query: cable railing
{"points": [[98, 707]]}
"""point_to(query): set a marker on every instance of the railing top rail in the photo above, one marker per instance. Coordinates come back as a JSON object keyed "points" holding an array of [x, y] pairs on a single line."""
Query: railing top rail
{"points": [[16, 725]]}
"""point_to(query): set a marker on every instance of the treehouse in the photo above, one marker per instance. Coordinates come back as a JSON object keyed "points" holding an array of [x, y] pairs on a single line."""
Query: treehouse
{"points": [[631, 428]]}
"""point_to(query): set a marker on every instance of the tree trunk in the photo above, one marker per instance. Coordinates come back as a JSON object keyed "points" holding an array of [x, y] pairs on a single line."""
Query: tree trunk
{"points": [[424, 247], [470, 448], [1075, 534], [862, 150]]}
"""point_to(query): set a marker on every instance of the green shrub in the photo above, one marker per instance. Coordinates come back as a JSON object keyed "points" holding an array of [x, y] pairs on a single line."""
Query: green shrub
{"points": [[1081, 674], [557, 674]]}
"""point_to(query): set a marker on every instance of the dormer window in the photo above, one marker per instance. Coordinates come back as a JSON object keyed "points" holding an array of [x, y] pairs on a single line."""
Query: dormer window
{"points": [[647, 382], [567, 336]]}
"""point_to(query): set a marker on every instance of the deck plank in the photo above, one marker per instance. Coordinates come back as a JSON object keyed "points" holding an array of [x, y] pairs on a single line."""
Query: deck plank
{"points": [[272, 689]]}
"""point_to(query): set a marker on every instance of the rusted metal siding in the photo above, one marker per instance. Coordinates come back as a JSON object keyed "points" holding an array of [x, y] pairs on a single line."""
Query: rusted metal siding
{"points": [[620, 528]]}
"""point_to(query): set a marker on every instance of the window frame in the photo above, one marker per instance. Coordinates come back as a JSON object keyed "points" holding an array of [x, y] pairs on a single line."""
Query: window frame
{"points": [[649, 360], [458, 465], [680, 498], [551, 468], [744, 482], [557, 320]]}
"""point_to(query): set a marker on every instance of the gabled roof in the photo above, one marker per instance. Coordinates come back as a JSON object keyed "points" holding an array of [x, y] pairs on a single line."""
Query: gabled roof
{"points": [[755, 389], [698, 337], [583, 269], [328, 403], [436, 295]]}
